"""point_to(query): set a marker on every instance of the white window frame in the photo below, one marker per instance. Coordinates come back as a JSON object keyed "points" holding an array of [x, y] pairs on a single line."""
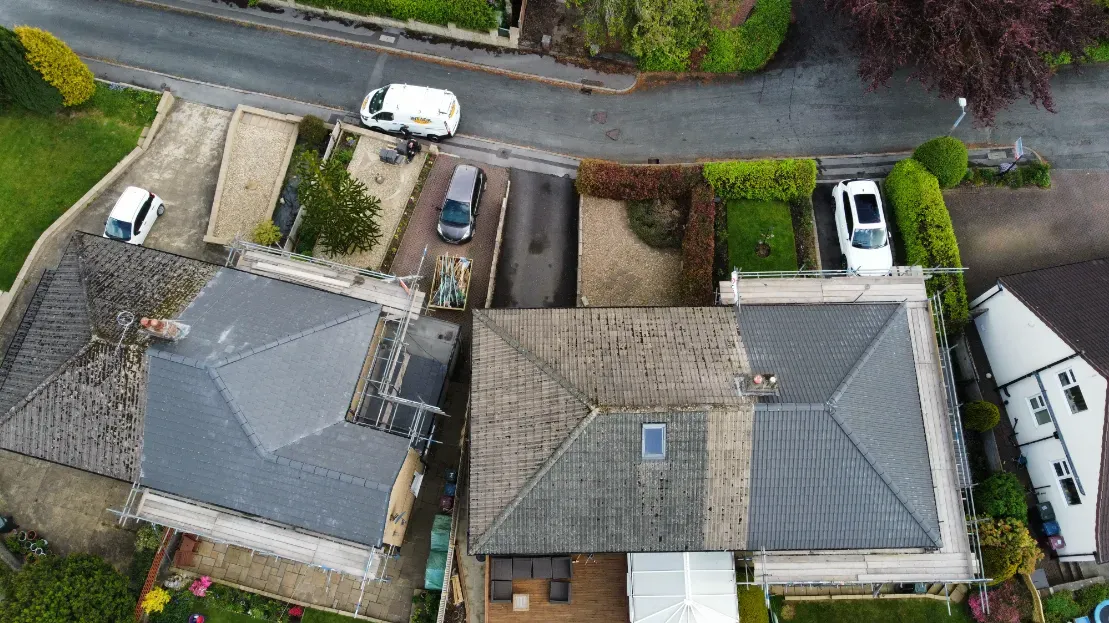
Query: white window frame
{"points": [[643, 442], [1072, 383], [1064, 466], [1043, 407]]}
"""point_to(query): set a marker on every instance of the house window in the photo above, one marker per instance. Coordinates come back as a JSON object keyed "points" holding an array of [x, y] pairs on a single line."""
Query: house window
{"points": [[654, 441], [1066, 483], [1039, 409], [1072, 391]]}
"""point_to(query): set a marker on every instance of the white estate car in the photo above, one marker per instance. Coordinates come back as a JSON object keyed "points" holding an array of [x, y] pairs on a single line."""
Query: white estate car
{"points": [[133, 215], [864, 241]]}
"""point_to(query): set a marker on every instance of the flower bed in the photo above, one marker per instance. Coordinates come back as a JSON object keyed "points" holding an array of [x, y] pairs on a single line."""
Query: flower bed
{"points": [[468, 14]]}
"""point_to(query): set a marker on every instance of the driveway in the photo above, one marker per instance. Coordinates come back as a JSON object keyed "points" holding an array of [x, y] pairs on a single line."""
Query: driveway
{"points": [[181, 167], [539, 247], [826, 238], [1003, 231]]}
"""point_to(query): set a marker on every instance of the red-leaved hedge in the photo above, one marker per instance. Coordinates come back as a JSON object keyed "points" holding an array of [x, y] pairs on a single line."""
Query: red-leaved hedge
{"points": [[635, 182], [698, 247]]}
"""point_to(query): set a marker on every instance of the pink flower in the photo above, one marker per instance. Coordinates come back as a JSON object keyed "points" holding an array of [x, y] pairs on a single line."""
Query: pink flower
{"points": [[200, 586], [296, 611]]}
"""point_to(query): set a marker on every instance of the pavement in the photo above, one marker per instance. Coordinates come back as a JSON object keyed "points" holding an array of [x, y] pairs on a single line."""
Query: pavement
{"points": [[181, 166], [801, 107], [539, 247]]}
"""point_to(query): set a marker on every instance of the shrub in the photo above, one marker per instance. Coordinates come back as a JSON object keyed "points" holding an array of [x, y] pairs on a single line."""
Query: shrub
{"points": [[1088, 598], [1030, 174], [945, 157], [19, 82], [631, 182], [750, 46], [58, 64], [764, 180], [339, 208], [801, 211], [469, 14], [266, 233], [1061, 608], [752, 605], [1001, 496], [425, 606], [981, 415], [312, 132], [666, 31], [148, 538], [1007, 548], [658, 222], [698, 249], [1008, 603], [998, 565], [56, 589], [928, 235], [182, 603], [155, 600]]}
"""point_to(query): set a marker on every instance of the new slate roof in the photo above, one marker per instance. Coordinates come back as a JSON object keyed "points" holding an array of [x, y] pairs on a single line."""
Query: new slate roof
{"points": [[837, 461]]}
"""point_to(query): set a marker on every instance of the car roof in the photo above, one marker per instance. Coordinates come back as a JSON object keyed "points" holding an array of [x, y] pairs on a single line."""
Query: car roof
{"points": [[128, 204], [462, 183], [418, 100]]}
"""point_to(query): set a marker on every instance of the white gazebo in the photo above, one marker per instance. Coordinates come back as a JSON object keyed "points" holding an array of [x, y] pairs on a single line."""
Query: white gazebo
{"points": [[690, 587]]}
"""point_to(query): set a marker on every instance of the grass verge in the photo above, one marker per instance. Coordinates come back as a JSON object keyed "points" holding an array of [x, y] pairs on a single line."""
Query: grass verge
{"points": [[47, 162], [752, 222]]}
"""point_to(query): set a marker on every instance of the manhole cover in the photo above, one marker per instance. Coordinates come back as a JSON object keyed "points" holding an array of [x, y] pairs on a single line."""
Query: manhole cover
{"points": [[504, 153], [613, 134], [388, 39], [600, 116]]}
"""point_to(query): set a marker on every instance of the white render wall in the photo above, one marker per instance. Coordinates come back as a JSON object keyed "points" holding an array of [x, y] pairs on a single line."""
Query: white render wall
{"points": [[1018, 343]]}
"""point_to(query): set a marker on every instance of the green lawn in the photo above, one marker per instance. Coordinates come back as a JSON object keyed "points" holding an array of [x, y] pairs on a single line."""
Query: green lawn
{"points": [[318, 616], [48, 162], [214, 615], [878, 611], [749, 222]]}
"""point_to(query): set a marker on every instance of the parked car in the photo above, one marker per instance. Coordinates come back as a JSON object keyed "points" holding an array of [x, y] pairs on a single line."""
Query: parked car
{"points": [[405, 109], [458, 214], [864, 240], [133, 215]]}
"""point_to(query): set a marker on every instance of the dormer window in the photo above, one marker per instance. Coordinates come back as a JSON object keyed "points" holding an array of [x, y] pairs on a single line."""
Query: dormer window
{"points": [[654, 442]]}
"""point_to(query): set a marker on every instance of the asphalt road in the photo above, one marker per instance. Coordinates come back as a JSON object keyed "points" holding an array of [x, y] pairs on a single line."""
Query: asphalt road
{"points": [[813, 107], [538, 265]]}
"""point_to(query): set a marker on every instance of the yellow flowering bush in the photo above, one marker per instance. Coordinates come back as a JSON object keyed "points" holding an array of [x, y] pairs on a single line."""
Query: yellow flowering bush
{"points": [[58, 64], [155, 600]]}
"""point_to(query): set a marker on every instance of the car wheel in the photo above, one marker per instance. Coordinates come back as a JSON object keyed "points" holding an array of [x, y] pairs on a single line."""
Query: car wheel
{"points": [[434, 138], [161, 209], [377, 129]]}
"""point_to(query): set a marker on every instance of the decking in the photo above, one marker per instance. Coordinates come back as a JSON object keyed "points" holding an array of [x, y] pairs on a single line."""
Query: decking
{"points": [[598, 593]]}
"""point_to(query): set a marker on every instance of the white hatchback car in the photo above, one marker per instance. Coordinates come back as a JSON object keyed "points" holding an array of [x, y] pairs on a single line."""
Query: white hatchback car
{"points": [[864, 241], [133, 215]]}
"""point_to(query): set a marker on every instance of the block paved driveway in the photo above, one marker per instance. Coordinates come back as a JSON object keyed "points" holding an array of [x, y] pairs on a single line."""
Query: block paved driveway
{"points": [[1003, 231]]}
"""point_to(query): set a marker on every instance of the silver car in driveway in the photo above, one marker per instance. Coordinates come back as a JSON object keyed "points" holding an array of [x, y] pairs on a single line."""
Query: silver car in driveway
{"points": [[458, 214]]}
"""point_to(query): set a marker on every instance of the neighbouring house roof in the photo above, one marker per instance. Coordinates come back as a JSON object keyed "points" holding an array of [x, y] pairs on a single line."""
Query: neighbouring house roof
{"points": [[1073, 300], [559, 397], [248, 412]]}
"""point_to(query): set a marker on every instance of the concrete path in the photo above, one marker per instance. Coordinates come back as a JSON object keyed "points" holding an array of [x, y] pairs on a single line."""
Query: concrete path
{"points": [[816, 108]]}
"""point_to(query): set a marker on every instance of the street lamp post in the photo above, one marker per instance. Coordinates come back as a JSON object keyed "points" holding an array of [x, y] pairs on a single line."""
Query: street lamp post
{"points": [[962, 101]]}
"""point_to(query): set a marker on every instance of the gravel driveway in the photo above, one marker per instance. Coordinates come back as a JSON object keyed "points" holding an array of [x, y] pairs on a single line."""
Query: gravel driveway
{"points": [[617, 268]]}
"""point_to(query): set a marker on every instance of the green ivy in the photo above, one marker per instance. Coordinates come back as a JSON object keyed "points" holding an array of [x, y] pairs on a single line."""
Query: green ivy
{"points": [[751, 45], [764, 180], [468, 14]]}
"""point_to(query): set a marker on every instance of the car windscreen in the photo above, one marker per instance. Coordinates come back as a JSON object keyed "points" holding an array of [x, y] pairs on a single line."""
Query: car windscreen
{"points": [[869, 238], [115, 228], [455, 213], [378, 100], [867, 208]]}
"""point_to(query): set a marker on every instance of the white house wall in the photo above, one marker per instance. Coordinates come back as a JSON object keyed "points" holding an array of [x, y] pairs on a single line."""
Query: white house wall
{"points": [[1018, 343]]}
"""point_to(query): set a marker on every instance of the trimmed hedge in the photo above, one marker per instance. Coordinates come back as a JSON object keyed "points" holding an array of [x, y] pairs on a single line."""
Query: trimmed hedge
{"points": [[946, 158], [635, 182], [750, 46], [1001, 496], [468, 14], [928, 235], [765, 180], [698, 248], [19, 82], [804, 232], [981, 415], [1030, 174], [58, 64]]}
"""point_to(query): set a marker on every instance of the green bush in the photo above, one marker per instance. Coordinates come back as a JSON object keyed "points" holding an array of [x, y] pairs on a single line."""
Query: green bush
{"points": [[632, 182], [666, 32], [58, 64], [801, 211], [312, 132], [1061, 608], [763, 180], [1088, 598], [998, 565], [19, 82], [1030, 174], [66, 590], [981, 415], [266, 233], [658, 222], [339, 207], [752, 605], [1094, 54], [468, 14], [1001, 496], [698, 249], [946, 158], [425, 607], [928, 235], [750, 46], [148, 538]]}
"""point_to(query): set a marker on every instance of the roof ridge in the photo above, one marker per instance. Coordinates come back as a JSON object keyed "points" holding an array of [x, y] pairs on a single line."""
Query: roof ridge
{"points": [[542, 365], [254, 350], [1046, 268], [831, 407], [537, 476]]}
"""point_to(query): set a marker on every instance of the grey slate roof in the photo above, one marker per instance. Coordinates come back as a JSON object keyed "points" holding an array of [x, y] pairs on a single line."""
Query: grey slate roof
{"points": [[845, 441]]}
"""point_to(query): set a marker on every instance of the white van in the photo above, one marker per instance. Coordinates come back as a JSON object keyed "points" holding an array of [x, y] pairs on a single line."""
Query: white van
{"points": [[422, 111]]}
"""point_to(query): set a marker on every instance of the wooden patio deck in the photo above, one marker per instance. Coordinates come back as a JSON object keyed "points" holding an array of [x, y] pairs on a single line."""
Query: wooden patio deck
{"points": [[598, 592]]}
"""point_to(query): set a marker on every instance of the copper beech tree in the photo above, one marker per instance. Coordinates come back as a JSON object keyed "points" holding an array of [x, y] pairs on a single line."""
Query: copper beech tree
{"points": [[991, 52]]}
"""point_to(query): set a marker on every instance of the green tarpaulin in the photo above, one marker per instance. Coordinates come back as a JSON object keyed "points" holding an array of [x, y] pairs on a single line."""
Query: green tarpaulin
{"points": [[437, 559]]}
